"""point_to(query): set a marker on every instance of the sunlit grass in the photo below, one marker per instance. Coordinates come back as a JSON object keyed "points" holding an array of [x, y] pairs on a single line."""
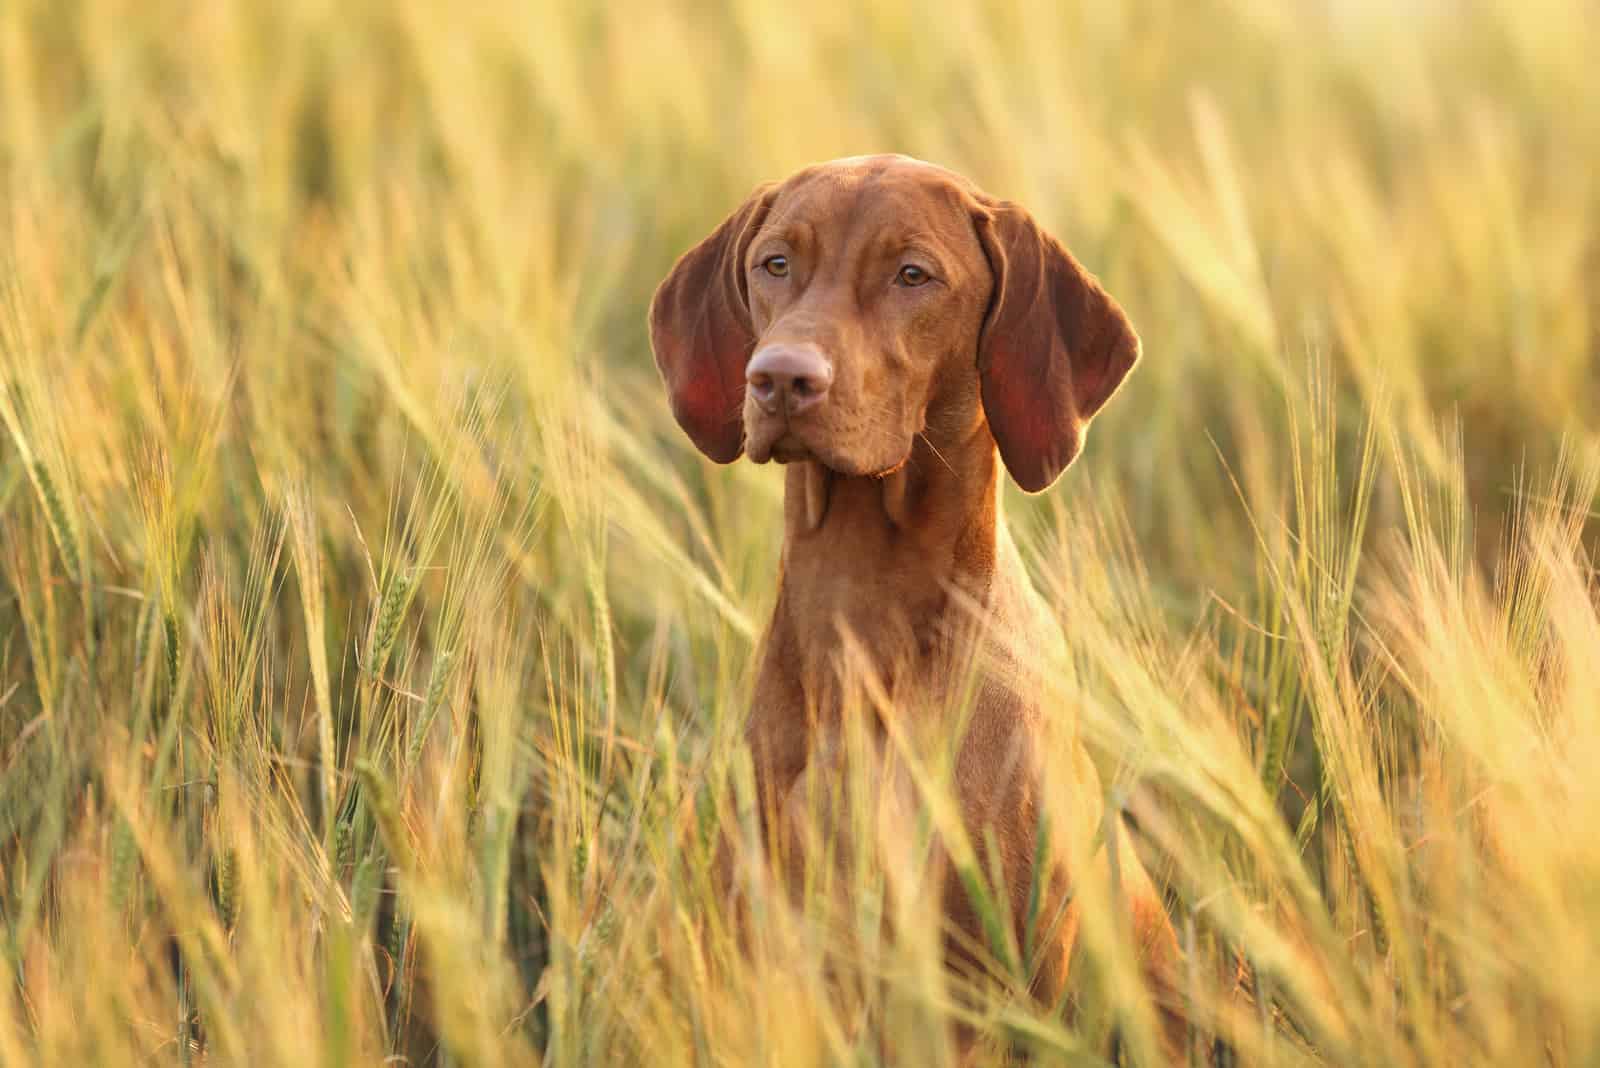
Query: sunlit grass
{"points": [[374, 649]]}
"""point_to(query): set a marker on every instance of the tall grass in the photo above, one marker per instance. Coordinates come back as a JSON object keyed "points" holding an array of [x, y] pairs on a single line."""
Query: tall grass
{"points": [[373, 649]]}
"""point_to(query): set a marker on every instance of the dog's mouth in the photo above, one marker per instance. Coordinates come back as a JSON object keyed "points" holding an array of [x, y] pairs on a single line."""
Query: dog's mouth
{"points": [[784, 443], [824, 467], [790, 449], [777, 440]]}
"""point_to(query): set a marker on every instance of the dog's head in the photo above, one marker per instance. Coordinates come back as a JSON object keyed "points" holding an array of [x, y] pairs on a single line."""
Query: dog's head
{"points": [[837, 315]]}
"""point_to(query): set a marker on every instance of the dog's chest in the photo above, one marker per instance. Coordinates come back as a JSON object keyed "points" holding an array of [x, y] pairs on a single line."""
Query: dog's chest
{"points": [[873, 647]]}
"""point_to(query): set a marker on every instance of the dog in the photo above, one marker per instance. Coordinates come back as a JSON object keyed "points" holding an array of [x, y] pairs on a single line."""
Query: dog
{"points": [[896, 337]]}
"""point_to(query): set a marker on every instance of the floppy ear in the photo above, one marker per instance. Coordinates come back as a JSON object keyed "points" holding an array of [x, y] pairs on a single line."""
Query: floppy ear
{"points": [[701, 334], [1054, 347]]}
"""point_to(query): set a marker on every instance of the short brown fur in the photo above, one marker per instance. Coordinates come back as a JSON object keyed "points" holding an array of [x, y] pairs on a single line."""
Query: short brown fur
{"points": [[894, 544]]}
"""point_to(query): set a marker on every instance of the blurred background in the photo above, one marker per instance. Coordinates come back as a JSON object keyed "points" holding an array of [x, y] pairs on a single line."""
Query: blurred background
{"points": [[367, 626]]}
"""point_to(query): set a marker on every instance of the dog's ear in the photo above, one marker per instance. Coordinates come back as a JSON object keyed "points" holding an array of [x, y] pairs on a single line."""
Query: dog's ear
{"points": [[1054, 346], [701, 333]]}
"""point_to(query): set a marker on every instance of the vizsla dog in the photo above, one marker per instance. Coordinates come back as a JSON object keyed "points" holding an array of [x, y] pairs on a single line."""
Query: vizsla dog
{"points": [[894, 336]]}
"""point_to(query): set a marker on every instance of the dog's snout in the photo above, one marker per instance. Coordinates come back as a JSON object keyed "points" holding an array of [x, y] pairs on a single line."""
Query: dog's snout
{"points": [[795, 377]]}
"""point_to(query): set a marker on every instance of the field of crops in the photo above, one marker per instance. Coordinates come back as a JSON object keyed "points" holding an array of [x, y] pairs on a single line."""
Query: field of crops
{"points": [[374, 648]]}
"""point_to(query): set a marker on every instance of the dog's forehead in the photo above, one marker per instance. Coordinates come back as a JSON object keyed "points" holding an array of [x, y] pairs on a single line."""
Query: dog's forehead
{"points": [[876, 192]]}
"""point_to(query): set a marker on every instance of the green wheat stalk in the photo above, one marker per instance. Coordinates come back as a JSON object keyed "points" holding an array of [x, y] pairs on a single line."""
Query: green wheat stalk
{"points": [[391, 612], [62, 530]]}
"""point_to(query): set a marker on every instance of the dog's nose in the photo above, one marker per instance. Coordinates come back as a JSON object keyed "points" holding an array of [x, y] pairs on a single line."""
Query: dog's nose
{"points": [[792, 376]]}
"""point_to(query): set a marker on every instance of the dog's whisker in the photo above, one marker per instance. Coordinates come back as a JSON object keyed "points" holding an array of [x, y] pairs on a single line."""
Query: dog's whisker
{"points": [[923, 434]]}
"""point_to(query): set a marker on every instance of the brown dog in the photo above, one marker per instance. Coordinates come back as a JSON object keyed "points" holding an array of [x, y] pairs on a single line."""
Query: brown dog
{"points": [[892, 334]]}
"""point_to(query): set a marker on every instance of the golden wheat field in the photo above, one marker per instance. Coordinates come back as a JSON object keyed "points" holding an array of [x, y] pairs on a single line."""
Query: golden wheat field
{"points": [[374, 648]]}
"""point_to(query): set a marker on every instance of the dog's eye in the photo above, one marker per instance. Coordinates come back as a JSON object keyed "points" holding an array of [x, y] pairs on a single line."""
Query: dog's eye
{"points": [[776, 266], [911, 275]]}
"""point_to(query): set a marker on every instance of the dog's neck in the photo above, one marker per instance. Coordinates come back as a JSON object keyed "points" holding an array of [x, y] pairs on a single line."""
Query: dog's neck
{"points": [[937, 498], [884, 563]]}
